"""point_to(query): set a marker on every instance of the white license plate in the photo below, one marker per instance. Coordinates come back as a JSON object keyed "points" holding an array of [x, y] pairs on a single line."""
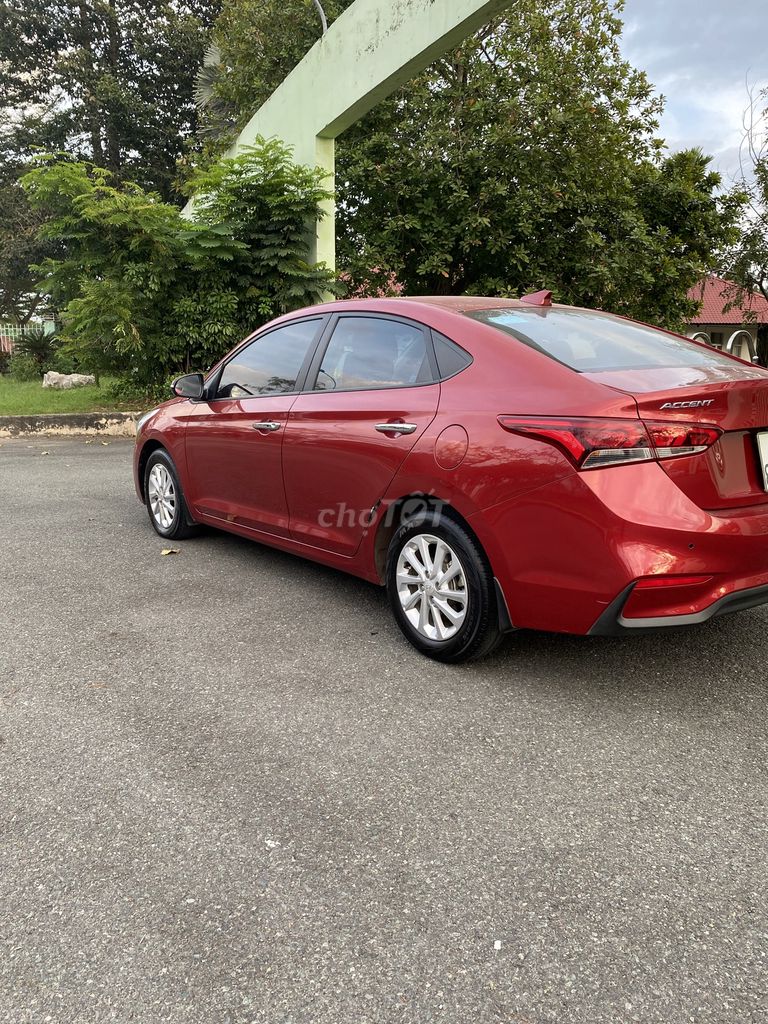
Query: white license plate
{"points": [[762, 447]]}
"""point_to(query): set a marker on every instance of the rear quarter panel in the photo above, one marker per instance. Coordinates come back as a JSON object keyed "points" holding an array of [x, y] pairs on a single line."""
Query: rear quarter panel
{"points": [[505, 378]]}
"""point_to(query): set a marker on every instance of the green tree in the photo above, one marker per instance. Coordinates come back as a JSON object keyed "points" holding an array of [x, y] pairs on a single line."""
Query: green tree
{"points": [[106, 80], [526, 158], [20, 242], [256, 43], [146, 293], [20, 246], [747, 262], [529, 159]]}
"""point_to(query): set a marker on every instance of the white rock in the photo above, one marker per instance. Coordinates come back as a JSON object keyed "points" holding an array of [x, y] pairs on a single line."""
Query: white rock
{"points": [[65, 381]]}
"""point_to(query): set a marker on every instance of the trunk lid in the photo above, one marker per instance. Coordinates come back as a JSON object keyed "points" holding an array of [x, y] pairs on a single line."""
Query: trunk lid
{"points": [[734, 397]]}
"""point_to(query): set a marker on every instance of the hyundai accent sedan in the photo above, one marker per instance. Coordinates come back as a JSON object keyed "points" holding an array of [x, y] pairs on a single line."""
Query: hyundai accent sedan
{"points": [[496, 464]]}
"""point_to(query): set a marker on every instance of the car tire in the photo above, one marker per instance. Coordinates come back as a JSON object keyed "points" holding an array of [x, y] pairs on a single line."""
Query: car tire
{"points": [[441, 588], [164, 497]]}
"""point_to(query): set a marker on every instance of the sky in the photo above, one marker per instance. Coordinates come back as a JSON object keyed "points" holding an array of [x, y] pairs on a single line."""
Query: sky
{"points": [[700, 54]]}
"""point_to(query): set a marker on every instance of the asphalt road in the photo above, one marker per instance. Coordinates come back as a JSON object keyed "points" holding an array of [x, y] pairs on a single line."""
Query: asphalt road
{"points": [[231, 792]]}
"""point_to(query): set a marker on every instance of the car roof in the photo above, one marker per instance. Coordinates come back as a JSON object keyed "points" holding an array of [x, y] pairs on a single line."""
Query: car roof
{"points": [[402, 303], [463, 303]]}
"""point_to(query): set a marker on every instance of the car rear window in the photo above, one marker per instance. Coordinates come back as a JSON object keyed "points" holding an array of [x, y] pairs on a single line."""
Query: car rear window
{"points": [[591, 342]]}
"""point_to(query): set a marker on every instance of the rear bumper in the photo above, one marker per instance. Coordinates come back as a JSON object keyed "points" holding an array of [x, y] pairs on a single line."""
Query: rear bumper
{"points": [[567, 555], [613, 623]]}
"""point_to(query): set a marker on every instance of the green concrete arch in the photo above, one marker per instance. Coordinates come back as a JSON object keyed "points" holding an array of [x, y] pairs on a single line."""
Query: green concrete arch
{"points": [[374, 47]]}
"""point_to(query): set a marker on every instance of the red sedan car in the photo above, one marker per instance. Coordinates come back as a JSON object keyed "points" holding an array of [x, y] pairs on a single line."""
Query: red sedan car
{"points": [[495, 463]]}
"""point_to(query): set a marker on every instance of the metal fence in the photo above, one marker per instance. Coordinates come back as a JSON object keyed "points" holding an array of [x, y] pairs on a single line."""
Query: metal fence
{"points": [[11, 332]]}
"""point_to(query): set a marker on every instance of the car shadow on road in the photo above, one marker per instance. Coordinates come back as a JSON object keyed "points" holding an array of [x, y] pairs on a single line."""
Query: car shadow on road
{"points": [[720, 662], [707, 660]]}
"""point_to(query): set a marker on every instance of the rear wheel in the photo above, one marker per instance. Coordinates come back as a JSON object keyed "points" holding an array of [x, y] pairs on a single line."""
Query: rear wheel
{"points": [[441, 589], [165, 500]]}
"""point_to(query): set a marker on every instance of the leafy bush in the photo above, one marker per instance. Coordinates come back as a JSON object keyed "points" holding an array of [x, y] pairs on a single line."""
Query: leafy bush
{"points": [[38, 345], [145, 293], [64, 362], [130, 389], [24, 367], [5, 358]]}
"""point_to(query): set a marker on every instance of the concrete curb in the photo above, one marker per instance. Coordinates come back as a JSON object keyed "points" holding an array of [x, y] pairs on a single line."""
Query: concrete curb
{"points": [[70, 424]]}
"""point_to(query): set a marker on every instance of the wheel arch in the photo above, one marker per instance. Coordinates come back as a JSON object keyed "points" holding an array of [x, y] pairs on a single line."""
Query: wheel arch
{"points": [[149, 446], [390, 522], [393, 517]]}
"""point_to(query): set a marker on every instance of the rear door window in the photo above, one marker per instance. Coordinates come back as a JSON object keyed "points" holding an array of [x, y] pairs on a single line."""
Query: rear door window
{"points": [[591, 342], [369, 353]]}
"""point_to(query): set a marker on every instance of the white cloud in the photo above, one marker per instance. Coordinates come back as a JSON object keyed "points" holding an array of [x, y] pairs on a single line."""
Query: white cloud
{"points": [[701, 54]]}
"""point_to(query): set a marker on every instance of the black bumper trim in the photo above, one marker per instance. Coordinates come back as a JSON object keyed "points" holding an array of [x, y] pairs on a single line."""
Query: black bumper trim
{"points": [[505, 622], [612, 623]]}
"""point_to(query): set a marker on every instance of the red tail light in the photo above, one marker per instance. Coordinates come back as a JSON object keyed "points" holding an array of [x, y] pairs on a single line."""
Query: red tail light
{"points": [[673, 439], [593, 443], [588, 443]]}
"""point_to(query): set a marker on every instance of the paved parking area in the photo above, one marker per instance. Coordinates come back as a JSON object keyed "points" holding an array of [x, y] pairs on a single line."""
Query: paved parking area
{"points": [[230, 792]]}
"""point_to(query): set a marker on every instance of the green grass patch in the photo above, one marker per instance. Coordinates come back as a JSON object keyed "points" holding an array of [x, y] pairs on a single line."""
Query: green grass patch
{"points": [[21, 398]]}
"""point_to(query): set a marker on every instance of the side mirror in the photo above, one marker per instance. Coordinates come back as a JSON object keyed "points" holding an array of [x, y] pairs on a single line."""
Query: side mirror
{"points": [[189, 386]]}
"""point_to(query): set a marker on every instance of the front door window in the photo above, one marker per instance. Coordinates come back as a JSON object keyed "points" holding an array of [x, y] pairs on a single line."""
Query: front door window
{"points": [[270, 365]]}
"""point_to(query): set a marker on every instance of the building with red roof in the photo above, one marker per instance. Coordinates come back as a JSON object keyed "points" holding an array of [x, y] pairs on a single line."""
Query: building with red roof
{"points": [[728, 318]]}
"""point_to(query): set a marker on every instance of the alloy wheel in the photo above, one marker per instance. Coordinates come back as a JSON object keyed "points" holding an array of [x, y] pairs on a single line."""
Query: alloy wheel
{"points": [[432, 587], [162, 496]]}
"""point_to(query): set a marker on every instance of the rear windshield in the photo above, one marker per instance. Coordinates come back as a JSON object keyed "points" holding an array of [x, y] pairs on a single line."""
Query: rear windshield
{"points": [[591, 342]]}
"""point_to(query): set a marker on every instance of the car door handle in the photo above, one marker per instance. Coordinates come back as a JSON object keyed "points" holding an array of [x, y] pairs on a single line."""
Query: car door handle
{"points": [[396, 428], [266, 425]]}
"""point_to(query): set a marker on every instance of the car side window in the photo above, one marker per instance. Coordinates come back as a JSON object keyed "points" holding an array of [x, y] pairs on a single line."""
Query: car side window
{"points": [[368, 352], [451, 358], [270, 365]]}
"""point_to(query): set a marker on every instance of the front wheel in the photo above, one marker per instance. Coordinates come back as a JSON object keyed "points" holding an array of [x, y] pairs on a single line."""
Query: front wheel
{"points": [[165, 500], [441, 589]]}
